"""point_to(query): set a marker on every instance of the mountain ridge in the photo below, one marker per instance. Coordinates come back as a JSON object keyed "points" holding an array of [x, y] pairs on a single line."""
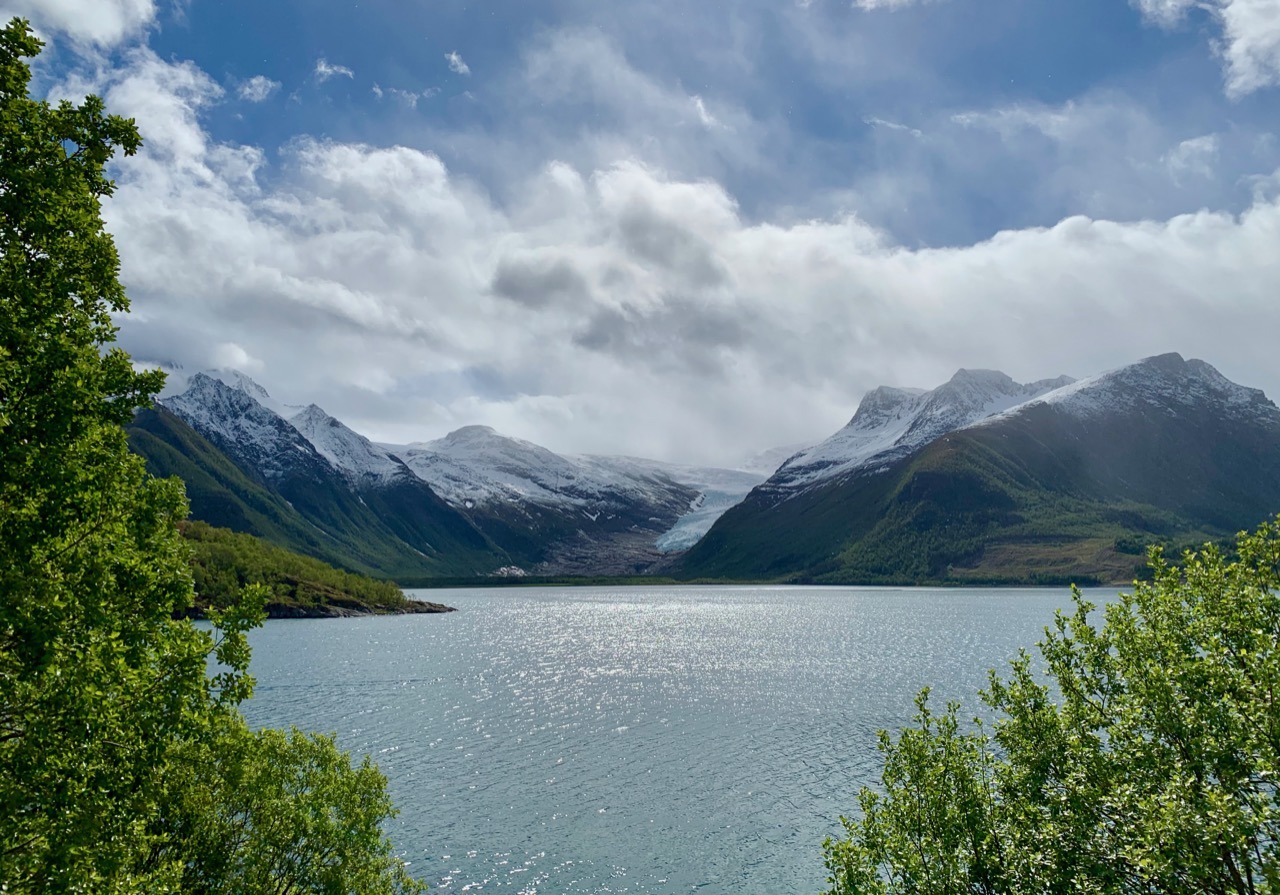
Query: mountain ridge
{"points": [[1046, 491]]}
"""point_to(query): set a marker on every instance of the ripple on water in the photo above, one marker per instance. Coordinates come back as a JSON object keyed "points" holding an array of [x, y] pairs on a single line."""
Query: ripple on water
{"points": [[653, 740]]}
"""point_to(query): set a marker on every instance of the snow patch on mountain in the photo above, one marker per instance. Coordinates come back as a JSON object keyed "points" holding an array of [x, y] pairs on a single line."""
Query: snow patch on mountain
{"points": [[1165, 381], [893, 422], [476, 466], [347, 449], [234, 420]]}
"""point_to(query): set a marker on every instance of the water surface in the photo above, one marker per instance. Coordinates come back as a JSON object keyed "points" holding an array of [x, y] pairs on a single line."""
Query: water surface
{"points": [[637, 740]]}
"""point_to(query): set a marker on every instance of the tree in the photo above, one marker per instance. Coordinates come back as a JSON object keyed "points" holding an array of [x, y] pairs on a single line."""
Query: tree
{"points": [[1145, 758], [104, 694]]}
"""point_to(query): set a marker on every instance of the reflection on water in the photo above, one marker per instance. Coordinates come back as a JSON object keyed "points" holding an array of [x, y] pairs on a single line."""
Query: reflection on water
{"points": [[609, 740]]}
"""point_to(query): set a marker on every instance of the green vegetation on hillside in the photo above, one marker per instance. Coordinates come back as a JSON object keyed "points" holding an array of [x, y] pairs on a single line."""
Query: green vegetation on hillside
{"points": [[399, 531], [1144, 762], [225, 562], [1039, 499], [124, 766]]}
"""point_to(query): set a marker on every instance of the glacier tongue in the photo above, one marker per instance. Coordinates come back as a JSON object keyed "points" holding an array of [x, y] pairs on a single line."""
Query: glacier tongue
{"points": [[718, 490]]}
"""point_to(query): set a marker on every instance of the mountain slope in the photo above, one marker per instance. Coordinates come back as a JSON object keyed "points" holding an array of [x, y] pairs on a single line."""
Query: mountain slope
{"points": [[220, 493], [552, 514], [1058, 488], [893, 422], [387, 522], [223, 562], [716, 490]]}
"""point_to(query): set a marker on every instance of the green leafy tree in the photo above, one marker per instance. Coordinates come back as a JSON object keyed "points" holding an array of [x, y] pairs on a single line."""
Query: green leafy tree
{"points": [[105, 700], [1145, 758]]}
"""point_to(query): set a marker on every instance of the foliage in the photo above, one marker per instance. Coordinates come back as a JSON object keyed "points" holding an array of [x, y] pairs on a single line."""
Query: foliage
{"points": [[1145, 759], [270, 811], [224, 562], [105, 696]]}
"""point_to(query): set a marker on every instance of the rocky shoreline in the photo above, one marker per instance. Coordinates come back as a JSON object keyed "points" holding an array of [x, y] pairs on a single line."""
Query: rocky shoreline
{"points": [[343, 610], [355, 610]]}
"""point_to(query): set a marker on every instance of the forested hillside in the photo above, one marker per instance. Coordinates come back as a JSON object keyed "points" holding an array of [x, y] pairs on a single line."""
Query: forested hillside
{"points": [[224, 562]]}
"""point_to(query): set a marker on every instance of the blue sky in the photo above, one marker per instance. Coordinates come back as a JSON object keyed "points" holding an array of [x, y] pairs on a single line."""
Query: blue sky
{"points": [[682, 230]]}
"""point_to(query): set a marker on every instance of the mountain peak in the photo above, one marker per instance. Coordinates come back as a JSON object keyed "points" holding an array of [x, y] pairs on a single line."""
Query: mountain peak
{"points": [[471, 434], [983, 378], [893, 422], [236, 421], [1165, 381], [345, 448], [1171, 362]]}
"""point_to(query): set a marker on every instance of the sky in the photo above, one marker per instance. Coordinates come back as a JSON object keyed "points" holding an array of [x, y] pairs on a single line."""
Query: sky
{"points": [[684, 231]]}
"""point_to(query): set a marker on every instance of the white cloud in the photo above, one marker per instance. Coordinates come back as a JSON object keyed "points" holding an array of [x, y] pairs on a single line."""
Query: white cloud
{"points": [[410, 98], [893, 126], [103, 23], [1250, 43], [456, 64], [885, 4], [1195, 157], [258, 88], [1061, 123], [1166, 13], [617, 308], [325, 70], [230, 356], [632, 113], [707, 119]]}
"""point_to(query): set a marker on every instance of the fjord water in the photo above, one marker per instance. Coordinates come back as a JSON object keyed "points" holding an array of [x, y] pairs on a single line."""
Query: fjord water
{"points": [[638, 740]]}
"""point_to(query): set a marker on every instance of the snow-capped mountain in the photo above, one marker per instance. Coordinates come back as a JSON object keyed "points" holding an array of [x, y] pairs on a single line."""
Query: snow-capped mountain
{"points": [[369, 511], [717, 490], [548, 512], [1165, 383], [347, 449], [234, 420], [1064, 486], [476, 466], [891, 423], [555, 512]]}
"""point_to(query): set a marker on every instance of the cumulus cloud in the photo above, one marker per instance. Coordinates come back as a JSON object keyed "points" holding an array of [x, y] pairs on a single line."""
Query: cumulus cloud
{"points": [[324, 70], [617, 307], [1250, 42], [258, 88], [101, 23], [456, 65]]}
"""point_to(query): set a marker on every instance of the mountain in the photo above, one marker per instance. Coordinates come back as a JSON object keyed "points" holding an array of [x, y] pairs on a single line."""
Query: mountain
{"points": [[552, 514], [471, 503], [716, 490], [250, 469], [968, 484], [891, 423]]}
